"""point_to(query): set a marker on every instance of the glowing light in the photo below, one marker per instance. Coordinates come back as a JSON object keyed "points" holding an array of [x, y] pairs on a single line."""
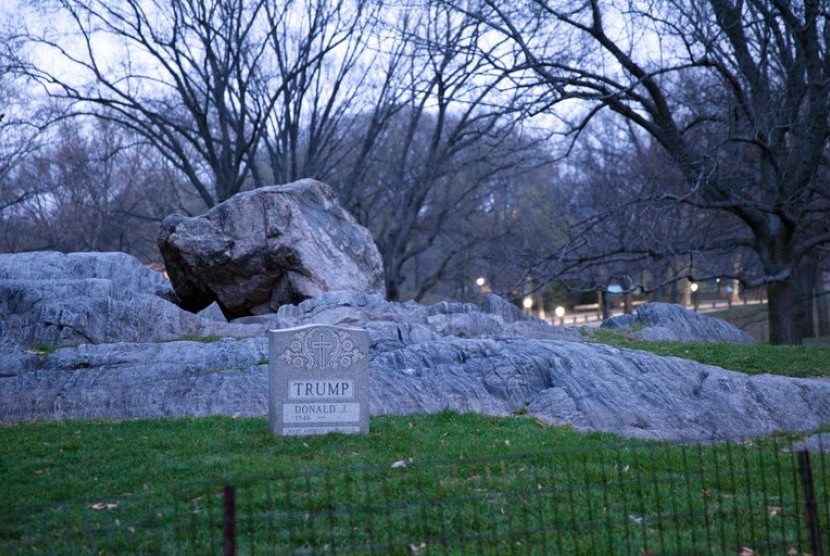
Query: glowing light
{"points": [[527, 302], [481, 281], [559, 311]]}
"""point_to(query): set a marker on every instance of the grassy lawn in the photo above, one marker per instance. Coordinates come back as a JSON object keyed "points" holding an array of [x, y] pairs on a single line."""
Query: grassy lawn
{"points": [[46, 462], [798, 361], [812, 359], [455, 482], [54, 474]]}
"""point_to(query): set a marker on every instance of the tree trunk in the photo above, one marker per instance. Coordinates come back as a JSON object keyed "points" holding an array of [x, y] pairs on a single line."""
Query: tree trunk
{"points": [[392, 272], [804, 299], [783, 328], [674, 292], [821, 302], [393, 292], [735, 295], [659, 294], [604, 306]]}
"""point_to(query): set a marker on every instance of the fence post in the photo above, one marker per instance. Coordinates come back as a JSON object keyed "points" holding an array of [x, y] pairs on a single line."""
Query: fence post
{"points": [[229, 522], [810, 505]]}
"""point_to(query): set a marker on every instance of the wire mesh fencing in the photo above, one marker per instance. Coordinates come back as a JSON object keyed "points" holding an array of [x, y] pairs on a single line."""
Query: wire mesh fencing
{"points": [[758, 497]]}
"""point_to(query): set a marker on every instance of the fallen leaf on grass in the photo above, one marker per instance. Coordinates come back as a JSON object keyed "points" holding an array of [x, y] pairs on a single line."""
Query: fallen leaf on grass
{"points": [[399, 464], [103, 506], [746, 551], [416, 548], [773, 510]]}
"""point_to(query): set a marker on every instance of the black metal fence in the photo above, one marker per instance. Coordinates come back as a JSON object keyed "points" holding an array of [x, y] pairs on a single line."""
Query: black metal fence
{"points": [[758, 497]]}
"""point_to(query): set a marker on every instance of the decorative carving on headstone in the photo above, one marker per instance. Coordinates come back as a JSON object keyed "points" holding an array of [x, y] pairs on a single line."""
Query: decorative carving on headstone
{"points": [[321, 348], [318, 380]]}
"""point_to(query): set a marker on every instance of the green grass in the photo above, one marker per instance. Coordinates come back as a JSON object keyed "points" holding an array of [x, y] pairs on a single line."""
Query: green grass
{"points": [[522, 487], [192, 338], [43, 349], [798, 361], [752, 319], [46, 462], [810, 360]]}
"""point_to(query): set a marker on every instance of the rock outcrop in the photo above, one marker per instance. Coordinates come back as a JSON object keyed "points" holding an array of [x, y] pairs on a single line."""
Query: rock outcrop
{"points": [[70, 299], [423, 359], [595, 387], [670, 322], [123, 271], [14, 359], [269, 247]]}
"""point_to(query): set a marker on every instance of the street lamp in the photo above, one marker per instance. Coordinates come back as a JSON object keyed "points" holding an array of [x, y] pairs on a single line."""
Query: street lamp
{"points": [[480, 281], [527, 303], [694, 287], [560, 314]]}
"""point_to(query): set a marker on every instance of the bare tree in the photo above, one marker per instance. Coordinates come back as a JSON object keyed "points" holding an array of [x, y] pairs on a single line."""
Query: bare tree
{"points": [[97, 191], [21, 122], [191, 77], [747, 144], [322, 71], [432, 146]]}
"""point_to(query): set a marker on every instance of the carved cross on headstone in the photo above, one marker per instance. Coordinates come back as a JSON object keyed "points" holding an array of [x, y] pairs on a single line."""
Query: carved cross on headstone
{"points": [[323, 347]]}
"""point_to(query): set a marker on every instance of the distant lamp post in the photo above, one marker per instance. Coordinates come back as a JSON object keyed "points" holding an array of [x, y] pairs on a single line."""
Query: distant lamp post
{"points": [[560, 314], [694, 287], [527, 303], [483, 286], [615, 288]]}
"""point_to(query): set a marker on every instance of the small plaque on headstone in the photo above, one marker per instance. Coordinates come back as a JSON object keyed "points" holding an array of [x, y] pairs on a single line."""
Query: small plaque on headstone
{"points": [[318, 380]]}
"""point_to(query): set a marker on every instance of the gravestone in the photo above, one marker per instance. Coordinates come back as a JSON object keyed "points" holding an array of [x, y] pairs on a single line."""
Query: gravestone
{"points": [[318, 380]]}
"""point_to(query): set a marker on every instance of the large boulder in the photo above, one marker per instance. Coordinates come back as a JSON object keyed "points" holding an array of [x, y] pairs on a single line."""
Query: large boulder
{"points": [[269, 247], [671, 322]]}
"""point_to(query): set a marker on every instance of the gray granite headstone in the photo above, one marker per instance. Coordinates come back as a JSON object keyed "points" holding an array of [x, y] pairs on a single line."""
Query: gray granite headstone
{"points": [[318, 380]]}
